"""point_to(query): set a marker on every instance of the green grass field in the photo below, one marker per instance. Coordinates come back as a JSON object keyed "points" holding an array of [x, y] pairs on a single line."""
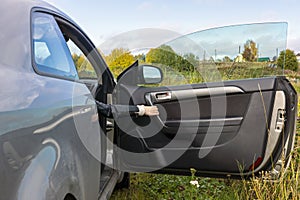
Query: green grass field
{"points": [[170, 187]]}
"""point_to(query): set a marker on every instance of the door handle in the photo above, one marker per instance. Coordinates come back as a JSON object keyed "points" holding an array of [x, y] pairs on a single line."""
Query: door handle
{"points": [[158, 97], [163, 96]]}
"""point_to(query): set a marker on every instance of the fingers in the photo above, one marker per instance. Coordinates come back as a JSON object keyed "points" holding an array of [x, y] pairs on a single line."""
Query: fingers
{"points": [[151, 110]]}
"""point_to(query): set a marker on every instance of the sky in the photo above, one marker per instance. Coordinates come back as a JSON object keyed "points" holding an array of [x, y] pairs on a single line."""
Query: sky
{"points": [[104, 19]]}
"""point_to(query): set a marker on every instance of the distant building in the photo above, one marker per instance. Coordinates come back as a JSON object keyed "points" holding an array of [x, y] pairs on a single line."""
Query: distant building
{"points": [[263, 59]]}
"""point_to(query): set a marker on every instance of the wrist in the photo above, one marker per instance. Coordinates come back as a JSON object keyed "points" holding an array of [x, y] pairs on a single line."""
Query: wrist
{"points": [[141, 110]]}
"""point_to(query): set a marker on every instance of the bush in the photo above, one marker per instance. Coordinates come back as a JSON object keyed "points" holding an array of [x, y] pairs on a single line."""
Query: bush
{"points": [[288, 60]]}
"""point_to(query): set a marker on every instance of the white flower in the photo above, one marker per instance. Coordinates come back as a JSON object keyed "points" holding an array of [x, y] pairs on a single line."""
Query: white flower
{"points": [[195, 183]]}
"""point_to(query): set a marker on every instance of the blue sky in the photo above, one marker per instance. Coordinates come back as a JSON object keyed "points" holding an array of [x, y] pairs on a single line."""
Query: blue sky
{"points": [[102, 19]]}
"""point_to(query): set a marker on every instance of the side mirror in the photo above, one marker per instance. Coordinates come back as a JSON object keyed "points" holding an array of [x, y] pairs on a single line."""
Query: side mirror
{"points": [[151, 74], [143, 74]]}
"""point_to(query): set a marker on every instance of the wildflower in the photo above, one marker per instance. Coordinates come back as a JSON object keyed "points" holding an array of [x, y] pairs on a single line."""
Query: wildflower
{"points": [[195, 183]]}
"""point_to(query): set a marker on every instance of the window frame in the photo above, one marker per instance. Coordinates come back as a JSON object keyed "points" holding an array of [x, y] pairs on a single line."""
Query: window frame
{"points": [[36, 66], [83, 44], [99, 63]]}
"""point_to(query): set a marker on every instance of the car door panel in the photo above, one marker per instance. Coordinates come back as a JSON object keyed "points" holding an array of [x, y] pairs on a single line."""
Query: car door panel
{"points": [[241, 134]]}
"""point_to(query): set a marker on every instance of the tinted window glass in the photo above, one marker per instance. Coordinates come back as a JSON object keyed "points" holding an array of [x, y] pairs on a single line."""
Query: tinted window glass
{"points": [[83, 66], [51, 53]]}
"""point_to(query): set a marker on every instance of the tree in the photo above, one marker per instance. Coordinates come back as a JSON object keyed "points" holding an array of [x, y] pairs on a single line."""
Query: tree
{"points": [[119, 59], [140, 57], [162, 55], [227, 59], [81, 63], [192, 59], [83, 66], [250, 51], [287, 60], [165, 55]]}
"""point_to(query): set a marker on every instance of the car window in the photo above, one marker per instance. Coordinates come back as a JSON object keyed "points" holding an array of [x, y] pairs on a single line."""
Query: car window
{"points": [[219, 54], [83, 66], [51, 53]]}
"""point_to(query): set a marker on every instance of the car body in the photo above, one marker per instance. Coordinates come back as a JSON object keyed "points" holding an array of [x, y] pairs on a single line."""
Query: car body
{"points": [[53, 142]]}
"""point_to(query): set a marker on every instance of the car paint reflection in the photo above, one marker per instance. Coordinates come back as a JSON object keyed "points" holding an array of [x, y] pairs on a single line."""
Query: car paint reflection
{"points": [[34, 186]]}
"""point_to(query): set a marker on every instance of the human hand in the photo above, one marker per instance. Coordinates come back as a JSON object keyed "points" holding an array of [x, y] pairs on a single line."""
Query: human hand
{"points": [[148, 110], [151, 110]]}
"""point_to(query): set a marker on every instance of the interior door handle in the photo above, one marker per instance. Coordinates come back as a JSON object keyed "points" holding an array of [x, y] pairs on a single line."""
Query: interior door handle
{"points": [[163, 96], [157, 97]]}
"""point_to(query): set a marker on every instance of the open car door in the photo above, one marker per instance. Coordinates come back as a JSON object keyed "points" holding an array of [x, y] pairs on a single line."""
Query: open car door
{"points": [[209, 120]]}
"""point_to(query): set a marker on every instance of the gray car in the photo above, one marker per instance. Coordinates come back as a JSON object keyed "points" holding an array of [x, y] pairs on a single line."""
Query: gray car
{"points": [[54, 145]]}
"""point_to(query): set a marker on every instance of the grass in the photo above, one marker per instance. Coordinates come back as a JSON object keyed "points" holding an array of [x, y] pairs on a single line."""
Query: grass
{"points": [[155, 186], [171, 187]]}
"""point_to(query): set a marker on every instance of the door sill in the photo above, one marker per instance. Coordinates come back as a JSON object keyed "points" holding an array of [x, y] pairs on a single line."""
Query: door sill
{"points": [[109, 182]]}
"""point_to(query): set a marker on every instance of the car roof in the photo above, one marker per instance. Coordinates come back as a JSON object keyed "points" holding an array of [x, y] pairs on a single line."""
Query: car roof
{"points": [[15, 32]]}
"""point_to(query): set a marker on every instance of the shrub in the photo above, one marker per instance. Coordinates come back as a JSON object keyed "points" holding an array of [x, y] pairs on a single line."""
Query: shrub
{"points": [[288, 60]]}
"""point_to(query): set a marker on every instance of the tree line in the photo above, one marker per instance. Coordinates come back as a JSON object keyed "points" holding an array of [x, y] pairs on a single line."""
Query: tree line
{"points": [[119, 59]]}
